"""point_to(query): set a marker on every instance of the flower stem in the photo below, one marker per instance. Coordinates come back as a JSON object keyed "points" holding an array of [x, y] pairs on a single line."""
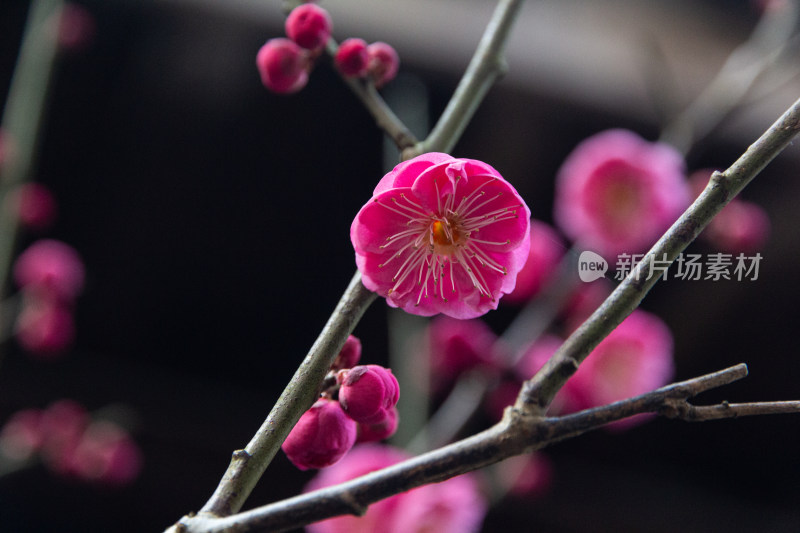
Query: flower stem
{"points": [[486, 66], [538, 392], [249, 464]]}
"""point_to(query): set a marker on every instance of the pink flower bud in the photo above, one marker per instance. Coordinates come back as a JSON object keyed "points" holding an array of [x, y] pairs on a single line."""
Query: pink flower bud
{"points": [[106, 454], [322, 436], [76, 27], [45, 327], [63, 424], [368, 392], [34, 206], [352, 58], [349, 355], [380, 430], [52, 266], [383, 63], [458, 346], [21, 435], [309, 26], [283, 66]]}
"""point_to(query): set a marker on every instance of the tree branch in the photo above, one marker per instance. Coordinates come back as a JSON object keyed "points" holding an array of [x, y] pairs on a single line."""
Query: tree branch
{"points": [[486, 66], [538, 392], [517, 433], [248, 465]]}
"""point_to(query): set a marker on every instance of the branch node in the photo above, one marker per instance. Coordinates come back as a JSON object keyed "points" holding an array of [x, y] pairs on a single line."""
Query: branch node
{"points": [[356, 507]]}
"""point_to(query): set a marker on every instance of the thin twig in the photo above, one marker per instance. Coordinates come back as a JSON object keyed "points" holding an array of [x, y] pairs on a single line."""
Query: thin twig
{"points": [[248, 465], [517, 433], [744, 66], [538, 392], [486, 66], [24, 113]]}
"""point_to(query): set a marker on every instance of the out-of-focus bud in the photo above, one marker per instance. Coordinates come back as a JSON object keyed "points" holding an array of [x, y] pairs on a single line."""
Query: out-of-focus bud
{"points": [[283, 66], [309, 26], [383, 63], [51, 266], [349, 355], [351, 58]]}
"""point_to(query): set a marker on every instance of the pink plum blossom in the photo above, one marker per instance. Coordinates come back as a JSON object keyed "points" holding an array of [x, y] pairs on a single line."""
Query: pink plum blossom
{"points": [[50, 266], [635, 358], [617, 193], [21, 436], [547, 249], [442, 235], [322, 436], [452, 506]]}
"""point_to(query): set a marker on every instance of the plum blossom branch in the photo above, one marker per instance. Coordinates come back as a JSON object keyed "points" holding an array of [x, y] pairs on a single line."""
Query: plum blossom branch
{"points": [[765, 47], [538, 392], [486, 66], [384, 117], [24, 112], [247, 465], [517, 433]]}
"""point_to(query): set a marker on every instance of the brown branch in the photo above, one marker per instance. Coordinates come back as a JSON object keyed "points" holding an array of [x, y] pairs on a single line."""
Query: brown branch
{"points": [[538, 392], [517, 433]]}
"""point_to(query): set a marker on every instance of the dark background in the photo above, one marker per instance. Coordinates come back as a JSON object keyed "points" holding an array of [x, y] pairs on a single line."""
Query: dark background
{"points": [[213, 218]]}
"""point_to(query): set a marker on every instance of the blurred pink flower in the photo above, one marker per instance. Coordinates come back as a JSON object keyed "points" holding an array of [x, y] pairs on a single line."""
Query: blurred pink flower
{"points": [[442, 235], [45, 327], [617, 193], [105, 454], [741, 226], [21, 435], [322, 436], [76, 27], [34, 206], [635, 358], [455, 505], [546, 251], [52, 267], [62, 426], [458, 346]]}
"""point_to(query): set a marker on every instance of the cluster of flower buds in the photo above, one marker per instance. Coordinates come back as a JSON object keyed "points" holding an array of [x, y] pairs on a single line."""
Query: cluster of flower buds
{"points": [[284, 63], [69, 443], [50, 274], [359, 406]]}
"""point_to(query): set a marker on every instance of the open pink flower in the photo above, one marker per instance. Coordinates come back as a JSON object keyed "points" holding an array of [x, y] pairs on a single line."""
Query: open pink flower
{"points": [[617, 193], [442, 235], [635, 358], [452, 506]]}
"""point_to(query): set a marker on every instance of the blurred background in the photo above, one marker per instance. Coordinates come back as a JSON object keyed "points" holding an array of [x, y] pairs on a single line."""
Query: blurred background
{"points": [[213, 218]]}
